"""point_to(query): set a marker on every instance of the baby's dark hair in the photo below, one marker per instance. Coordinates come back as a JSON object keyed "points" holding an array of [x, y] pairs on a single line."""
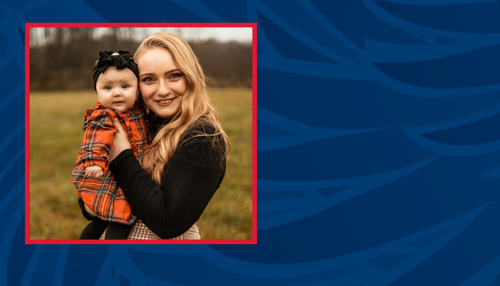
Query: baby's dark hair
{"points": [[122, 59]]}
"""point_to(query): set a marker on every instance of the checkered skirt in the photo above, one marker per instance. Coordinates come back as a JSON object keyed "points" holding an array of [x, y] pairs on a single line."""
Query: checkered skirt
{"points": [[141, 232]]}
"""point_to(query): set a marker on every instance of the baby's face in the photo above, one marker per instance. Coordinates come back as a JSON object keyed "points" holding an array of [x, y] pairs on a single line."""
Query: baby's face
{"points": [[117, 89]]}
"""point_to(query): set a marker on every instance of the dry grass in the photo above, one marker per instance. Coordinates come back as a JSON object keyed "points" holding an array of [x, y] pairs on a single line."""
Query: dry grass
{"points": [[55, 137]]}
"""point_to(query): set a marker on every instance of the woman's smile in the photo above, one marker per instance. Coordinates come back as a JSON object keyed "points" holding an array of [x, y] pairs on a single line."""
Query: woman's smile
{"points": [[165, 102]]}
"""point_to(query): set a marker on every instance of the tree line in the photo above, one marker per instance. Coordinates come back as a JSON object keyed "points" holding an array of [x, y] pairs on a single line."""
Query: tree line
{"points": [[64, 58]]}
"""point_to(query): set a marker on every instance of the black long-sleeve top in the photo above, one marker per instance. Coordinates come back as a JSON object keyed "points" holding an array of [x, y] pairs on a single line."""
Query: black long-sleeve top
{"points": [[191, 177]]}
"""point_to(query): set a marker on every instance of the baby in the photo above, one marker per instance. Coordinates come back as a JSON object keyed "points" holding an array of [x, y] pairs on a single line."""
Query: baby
{"points": [[116, 81]]}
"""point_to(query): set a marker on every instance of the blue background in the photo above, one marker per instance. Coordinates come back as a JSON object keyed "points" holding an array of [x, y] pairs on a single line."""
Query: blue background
{"points": [[378, 148]]}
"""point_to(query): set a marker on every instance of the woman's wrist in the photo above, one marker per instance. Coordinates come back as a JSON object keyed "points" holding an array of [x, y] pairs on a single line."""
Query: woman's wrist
{"points": [[113, 166], [117, 150]]}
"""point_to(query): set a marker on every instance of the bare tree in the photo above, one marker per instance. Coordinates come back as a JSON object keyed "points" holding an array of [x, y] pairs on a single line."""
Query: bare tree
{"points": [[63, 58]]}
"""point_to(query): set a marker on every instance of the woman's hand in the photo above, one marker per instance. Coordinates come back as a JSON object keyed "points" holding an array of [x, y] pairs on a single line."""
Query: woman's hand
{"points": [[120, 141]]}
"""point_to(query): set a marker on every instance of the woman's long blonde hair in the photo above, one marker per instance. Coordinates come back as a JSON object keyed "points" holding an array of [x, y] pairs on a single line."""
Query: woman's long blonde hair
{"points": [[195, 105]]}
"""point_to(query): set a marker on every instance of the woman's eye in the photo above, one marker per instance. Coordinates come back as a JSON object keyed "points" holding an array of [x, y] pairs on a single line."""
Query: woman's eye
{"points": [[147, 79], [175, 76], [125, 86]]}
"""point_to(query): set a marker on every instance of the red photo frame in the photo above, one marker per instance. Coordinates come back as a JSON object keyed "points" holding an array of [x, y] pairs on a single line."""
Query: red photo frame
{"points": [[253, 240]]}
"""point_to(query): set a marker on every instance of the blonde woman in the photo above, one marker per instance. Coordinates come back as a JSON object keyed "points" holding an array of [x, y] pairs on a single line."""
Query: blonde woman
{"points": [[186, 160]]}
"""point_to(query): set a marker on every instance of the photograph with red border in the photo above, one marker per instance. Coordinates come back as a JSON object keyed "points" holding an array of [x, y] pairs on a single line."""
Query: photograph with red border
{"points": [[214, 81]]}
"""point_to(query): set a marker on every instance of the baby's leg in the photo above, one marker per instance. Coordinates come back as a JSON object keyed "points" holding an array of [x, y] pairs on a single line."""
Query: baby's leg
{"points": [[94, 229]]}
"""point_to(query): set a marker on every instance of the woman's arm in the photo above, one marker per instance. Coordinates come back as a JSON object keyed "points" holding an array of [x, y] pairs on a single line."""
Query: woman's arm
{"points": [[191, 178]]}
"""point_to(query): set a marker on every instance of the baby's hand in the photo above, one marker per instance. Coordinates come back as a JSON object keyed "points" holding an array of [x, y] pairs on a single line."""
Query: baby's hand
{"points": [[93, 171]]}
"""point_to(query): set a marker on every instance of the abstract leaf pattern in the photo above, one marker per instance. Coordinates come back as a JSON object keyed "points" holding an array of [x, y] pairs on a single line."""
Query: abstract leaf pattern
{"points": [[378, 148]]}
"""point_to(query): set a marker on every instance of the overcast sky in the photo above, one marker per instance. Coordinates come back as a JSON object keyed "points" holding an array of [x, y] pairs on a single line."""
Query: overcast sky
{"points": [[222, 34]]}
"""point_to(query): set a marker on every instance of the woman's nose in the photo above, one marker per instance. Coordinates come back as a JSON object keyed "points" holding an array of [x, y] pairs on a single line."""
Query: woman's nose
{"points": [[163, 89]]}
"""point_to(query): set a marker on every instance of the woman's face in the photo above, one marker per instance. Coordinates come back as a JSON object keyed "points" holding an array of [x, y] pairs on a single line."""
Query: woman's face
{"points": [[161, 83]]}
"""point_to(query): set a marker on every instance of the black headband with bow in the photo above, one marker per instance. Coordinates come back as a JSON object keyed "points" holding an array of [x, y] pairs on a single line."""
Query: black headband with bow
{"points": [[123, 60]]}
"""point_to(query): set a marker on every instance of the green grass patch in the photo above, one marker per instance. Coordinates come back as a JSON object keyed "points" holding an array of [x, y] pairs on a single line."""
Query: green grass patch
{"points": [[56, 120]]}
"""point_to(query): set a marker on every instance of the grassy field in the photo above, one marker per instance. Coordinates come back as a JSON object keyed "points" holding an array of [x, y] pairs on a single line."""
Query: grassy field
{"points": [[55, 137]]}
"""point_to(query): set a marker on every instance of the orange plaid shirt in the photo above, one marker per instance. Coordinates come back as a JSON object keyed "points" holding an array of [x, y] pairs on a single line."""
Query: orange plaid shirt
{"points": [[102, 195]]}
